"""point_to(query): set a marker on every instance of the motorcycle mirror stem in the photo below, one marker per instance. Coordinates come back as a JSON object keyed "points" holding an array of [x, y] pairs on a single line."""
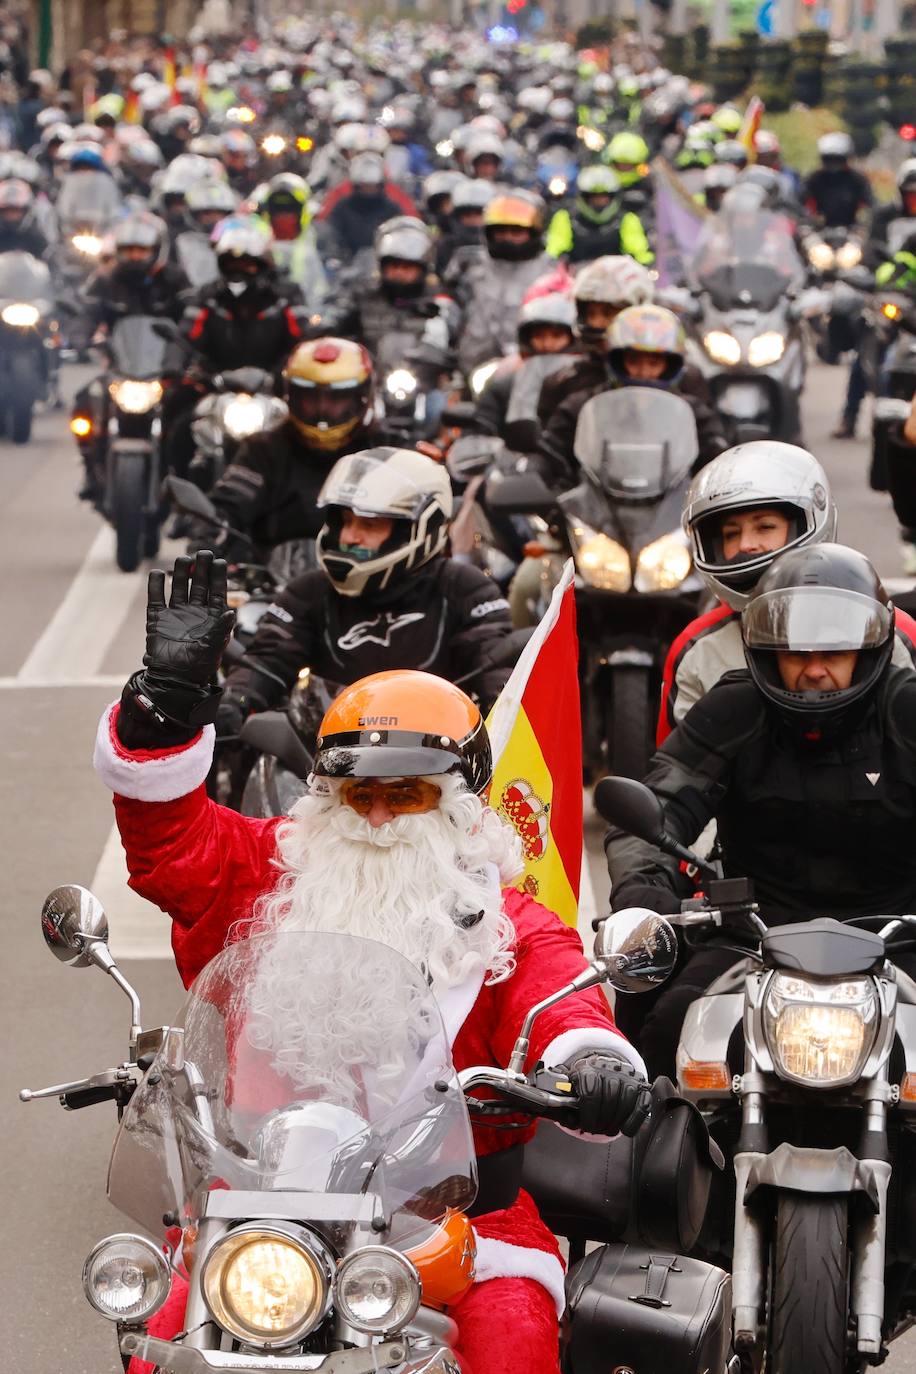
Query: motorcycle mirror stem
{"points": [[75, 929], [635, 808]]}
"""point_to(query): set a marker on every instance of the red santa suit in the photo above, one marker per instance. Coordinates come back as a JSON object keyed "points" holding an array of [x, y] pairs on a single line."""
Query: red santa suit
{"points": [[206, 865]]}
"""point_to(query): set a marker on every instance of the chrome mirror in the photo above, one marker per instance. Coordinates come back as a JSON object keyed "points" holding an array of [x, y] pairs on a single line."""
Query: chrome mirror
{"points": [[72, 922], [638, 949]]}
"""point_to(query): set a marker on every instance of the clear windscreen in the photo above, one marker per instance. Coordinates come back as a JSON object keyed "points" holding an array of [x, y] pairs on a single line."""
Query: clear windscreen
{"points": [[746, 255], [197, 258], [307, 1064], [24, 278], [636, 442], [137, 350], [810, 619], [527, 383], [899, 233], [88, 198]]}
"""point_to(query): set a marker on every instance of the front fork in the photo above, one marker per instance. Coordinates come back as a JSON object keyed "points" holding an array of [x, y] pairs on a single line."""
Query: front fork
{"points": [[869, 1230]]}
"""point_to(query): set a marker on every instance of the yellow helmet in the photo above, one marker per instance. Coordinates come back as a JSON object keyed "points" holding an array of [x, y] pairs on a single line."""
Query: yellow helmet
{"points": [[328, 388]]}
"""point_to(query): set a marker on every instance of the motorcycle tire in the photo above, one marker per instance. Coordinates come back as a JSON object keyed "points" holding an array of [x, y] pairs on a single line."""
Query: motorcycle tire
{"points": [[128, 500], [21, 398], [20, 421], [630, 723], [809, 1307]]}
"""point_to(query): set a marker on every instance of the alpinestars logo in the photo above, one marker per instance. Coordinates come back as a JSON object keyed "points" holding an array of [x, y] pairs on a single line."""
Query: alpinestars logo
{"points": [[377, 631]]}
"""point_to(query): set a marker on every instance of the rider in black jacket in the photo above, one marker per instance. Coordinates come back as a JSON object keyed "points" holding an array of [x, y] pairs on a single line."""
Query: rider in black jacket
{"points": [[385, 595], [807, 763]]}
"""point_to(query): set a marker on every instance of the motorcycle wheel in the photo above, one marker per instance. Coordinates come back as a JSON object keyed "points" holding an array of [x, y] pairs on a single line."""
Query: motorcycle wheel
{"points": [[630, 725], [128, 500], [20, 425], [809, 1307], [21, 398]]}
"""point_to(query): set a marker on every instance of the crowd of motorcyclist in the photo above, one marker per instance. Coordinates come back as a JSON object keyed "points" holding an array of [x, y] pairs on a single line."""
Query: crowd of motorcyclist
{"points": [[463, 243]]}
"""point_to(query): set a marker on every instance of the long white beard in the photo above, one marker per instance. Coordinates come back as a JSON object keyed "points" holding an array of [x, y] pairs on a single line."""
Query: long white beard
{"points": [[428, 886]]}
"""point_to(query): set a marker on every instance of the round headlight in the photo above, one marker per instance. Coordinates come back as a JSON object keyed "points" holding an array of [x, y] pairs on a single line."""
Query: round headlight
{"points": [[20, 315], [135, 398], [722, 347], [377, 1290], [126, 1278], [244, 415], [267, 1285], [400, 383], [849, 255], [821, 256]]}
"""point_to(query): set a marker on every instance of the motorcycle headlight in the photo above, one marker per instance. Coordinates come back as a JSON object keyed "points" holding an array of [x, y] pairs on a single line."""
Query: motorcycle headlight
{"points": [[88, 244], [377, 1290], [820, 1034], [849, 255], [601, 560], [126, 1278], [266, 1285], [273, 145], [557, 186], [135, 398], [821, 256], [243, 415], [722, 347], [20, 316], [891, 311], [481, 375], [400, 384], [766, 349], [445, 148], [593, 139], [663, 564]]}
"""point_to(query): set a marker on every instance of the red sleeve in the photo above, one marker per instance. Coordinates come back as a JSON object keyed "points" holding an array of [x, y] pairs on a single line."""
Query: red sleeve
{"points": [[401, 199], [197, 328], [201, 863], [548, 955], [905, 627], [685, 639]]}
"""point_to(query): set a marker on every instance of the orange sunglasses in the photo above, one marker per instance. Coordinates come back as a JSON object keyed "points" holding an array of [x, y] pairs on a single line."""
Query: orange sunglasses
{"points": [[404, 797]]}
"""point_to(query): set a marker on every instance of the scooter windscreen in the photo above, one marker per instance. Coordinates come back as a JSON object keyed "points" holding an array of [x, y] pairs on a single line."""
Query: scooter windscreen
{"points": [[746, 256], [301, 1062], [136, 349], [635, 443], [24, 278], [88, 198]]}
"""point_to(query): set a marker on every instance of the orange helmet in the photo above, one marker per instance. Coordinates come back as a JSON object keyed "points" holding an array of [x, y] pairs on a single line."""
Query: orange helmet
{"points": [[514, 210], [404, 724], [327, 384]]}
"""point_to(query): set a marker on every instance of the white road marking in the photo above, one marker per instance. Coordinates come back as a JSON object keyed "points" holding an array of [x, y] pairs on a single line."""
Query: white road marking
{"points": [[18, 684], [138, 929], [74, 643]]}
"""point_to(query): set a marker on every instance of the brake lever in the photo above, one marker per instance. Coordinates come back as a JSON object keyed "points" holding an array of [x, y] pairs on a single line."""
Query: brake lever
{"points": [[110, 1081]]}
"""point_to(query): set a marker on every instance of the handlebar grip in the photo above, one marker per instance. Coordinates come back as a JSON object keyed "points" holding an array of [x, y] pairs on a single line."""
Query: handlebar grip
{"points": [[88, 1097]]}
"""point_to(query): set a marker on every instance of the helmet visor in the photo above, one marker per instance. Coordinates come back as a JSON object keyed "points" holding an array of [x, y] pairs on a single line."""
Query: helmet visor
{"points": [[330, 404], [815, 619]]}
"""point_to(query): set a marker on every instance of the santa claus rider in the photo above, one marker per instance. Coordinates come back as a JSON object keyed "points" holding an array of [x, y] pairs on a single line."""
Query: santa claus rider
{"points": [[394, 842]]}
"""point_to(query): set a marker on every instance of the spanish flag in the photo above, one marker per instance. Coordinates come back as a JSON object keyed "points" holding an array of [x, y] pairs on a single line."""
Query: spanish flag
{"points": [[535, 733], [747, 134], [170, 70]]}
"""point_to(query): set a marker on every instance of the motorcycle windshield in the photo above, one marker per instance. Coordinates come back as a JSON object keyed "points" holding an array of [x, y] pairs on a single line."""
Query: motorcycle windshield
{"points": [[305, 1064], [636, 442], [394, 350], [197, 258], [747, 258], [136, 349], [24, 278], [527, 383], [87, 198], [899, 232]]}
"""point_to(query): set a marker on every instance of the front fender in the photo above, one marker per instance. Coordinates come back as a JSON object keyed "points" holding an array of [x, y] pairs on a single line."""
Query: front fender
{"points": [[799, 1169]]}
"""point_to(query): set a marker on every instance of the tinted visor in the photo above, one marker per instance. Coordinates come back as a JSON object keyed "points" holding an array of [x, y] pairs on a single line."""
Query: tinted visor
{"points": [[330, 405], [815, 619]]}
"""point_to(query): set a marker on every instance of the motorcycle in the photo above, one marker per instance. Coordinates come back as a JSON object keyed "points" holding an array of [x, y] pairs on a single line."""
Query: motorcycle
{"points": [[315, 1202], [238, 404], [832, 255], [891, 369], [635, 584], [28, 342], [87, 207], [122, 431], [747, 338], [410, 397], [813, 1103]]}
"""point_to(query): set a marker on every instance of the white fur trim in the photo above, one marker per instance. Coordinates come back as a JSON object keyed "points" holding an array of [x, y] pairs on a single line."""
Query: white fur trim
{"points": [[456, 1003], [573, 1042], [152, 780], [497, 1259]]}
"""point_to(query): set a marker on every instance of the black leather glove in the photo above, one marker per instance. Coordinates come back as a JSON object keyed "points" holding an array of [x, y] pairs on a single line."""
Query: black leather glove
{"points": [[230, 716], [613, 1096], [177, 689]]}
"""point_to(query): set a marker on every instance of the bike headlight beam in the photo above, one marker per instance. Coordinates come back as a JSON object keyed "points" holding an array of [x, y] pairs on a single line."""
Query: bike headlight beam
{"points": [[126, 1278], [377, 1290], [20, 315], [400, 383], [848, 255], [821, 256], [766, 349], [722, 347], [244, 415], [663, 564], [820, 1033], [135, 398], [601, 561], [273, 145], [88, 244], [268, 1284], [557, 186]]}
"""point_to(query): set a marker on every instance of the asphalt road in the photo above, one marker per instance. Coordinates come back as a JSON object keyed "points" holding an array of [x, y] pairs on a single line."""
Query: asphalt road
{"points": [[72, 632]]}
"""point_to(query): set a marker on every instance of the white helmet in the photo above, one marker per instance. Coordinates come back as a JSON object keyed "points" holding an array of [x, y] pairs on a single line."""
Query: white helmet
{"points": [[409, 489], [764, 473], [616, 280]]}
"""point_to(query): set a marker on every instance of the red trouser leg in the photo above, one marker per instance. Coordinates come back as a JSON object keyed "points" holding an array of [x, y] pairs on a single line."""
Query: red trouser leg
{"points": [[507, 1326]]}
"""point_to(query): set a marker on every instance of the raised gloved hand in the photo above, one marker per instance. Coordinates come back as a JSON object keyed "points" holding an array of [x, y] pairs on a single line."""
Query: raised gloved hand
{"points": [[613, 1095], [185, 641]]}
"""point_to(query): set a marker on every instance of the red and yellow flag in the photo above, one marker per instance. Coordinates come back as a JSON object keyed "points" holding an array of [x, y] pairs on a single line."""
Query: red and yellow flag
{"points": [[747, 134], [536, 735]]}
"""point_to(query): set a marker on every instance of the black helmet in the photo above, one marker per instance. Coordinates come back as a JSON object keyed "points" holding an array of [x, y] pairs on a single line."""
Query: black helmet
{"points": [[823, 598]]}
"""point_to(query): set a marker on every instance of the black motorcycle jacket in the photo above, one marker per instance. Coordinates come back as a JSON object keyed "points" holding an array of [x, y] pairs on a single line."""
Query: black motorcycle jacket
{"points": [[369, 314], [449, 619], [270, 489], [836, 198], [110, 296], [822, 828], [257, 329], [28, 239]]}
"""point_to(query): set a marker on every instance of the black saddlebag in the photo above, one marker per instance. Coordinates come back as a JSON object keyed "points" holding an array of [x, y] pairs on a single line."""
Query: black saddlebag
{"points": [[638, 1309]]}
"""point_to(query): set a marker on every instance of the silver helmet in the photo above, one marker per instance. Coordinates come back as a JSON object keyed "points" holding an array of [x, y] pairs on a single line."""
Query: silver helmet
{"points": [[763, 474]]}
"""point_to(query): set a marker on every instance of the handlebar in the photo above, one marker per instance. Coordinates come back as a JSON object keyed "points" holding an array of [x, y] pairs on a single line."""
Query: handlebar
{"points": [[541, 1093]]}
